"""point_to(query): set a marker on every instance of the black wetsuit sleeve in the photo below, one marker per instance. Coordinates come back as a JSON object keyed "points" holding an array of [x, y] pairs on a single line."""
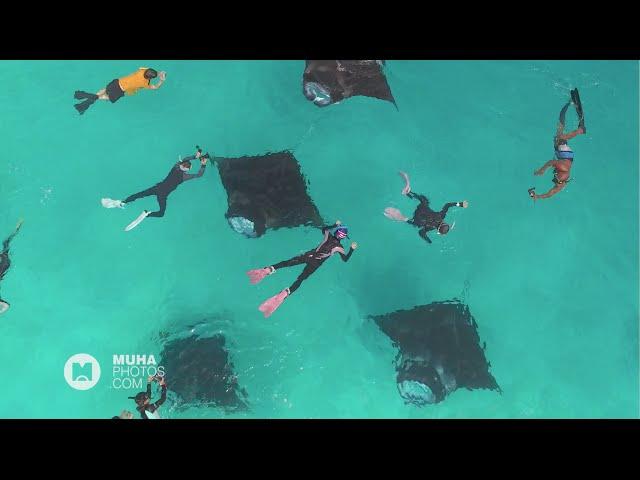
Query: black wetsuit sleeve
{"points": [[447, 206], [423, 233], [345, 258], [189, 176], [149, 389], [163, 397]]}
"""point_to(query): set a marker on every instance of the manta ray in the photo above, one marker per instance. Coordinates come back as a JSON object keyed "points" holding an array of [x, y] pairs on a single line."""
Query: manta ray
{"points": [[200, 372], [325, 82], [439, 351], [266, 192]]}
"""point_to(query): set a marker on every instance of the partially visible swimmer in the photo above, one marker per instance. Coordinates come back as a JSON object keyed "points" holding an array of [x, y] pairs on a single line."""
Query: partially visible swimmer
{"points": [[5, 263], [146, 409], [124, 415]]}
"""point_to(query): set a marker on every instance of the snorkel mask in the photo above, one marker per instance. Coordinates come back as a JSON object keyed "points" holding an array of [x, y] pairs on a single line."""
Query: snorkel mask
{"points": [[446, 228], [341, 232]]}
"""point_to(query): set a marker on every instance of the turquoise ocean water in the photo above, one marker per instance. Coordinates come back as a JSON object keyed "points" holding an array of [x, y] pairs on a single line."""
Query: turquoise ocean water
{"points": [[553, 286]]}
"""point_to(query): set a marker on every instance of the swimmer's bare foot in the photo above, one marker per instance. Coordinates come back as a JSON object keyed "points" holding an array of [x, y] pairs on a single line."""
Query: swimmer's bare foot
{"points": [[407, 187]]}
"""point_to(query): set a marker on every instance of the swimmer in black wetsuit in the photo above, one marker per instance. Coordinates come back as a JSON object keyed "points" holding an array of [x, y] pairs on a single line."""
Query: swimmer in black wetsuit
{"points": [[312, 261], [5, 263], [424, 218], [146, 409], [162, 190]]}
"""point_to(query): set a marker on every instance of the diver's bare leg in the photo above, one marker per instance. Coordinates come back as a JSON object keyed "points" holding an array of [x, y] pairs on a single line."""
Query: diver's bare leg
{"points": [[102, 94]]}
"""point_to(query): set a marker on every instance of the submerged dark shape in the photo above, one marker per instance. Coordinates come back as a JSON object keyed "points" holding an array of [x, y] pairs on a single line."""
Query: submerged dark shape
{"points": [[201, 372], [439, 351], [325, 82], [266, 191]]}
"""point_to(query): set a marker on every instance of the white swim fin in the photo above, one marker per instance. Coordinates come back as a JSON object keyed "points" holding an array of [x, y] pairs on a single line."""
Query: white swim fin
{"points": [[109, 203], [137, 221]]}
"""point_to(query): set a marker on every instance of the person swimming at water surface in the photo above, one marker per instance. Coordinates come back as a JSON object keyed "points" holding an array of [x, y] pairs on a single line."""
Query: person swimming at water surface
{"points": [[564, 155], [162, 190], [424, 217], [5, 263], [313, 259], [146, 409], [119, 87]]}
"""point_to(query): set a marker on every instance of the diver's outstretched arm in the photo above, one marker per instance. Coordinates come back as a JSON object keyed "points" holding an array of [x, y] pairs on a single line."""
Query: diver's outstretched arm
{"points": [[550, 193], [542, 169], [345, 258], [447, 206], [163, 396]]}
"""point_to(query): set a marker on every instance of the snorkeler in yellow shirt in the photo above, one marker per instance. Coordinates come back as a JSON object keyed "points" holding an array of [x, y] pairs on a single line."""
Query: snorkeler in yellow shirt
{"points": [[119, 87]]}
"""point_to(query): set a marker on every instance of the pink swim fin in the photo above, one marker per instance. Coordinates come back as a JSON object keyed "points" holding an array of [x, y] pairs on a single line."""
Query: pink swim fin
{"points": [[256, 276], [269, 306], [394, 214]]}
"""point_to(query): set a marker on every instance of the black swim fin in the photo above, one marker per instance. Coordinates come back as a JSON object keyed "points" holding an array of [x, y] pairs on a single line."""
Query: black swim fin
{"points": [[575, 98], [80, 95], [82, 107]]}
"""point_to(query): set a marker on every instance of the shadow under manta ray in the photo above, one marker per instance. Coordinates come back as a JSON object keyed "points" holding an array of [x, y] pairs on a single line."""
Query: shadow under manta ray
{"points": [[200, 372], [266, 192], [325, 82], [439, 351]]}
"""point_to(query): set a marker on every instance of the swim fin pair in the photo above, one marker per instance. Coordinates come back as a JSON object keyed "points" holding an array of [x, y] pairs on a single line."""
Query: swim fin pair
{"points": [[575, 98], [89, 99], [110, 203]]}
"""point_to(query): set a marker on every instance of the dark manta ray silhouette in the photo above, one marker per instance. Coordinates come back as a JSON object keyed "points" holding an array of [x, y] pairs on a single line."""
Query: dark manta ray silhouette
{"points": [[325, 82], [439, 351], [266, 191], [200, 372]]}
